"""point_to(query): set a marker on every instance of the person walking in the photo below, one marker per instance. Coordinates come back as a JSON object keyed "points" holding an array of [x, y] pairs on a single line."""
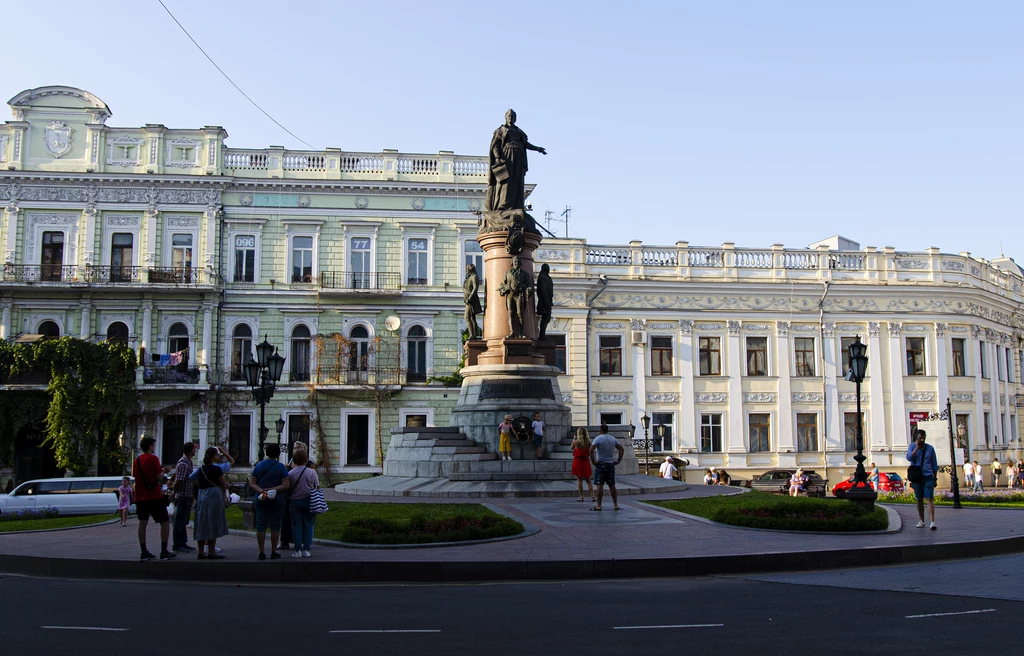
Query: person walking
{"points": [[581, 462], [602, 453], [997, 470], [978, 487], [149, 499], [184, 498], [538, 435], [304, 480], [211, 518], [968, 474], [1020, 472], [124, 499], [269, 480], [505, 438], [1011, 473], [922, 455], [668, 469], [875, 478]]}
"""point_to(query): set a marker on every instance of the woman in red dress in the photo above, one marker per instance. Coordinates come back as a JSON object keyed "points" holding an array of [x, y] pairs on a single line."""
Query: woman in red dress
{"points": [[581, 462]]}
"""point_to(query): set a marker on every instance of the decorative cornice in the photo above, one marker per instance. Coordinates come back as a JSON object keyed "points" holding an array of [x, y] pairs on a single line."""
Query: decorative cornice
{"points": [[602, 397], [708, 326], [608, 325]]}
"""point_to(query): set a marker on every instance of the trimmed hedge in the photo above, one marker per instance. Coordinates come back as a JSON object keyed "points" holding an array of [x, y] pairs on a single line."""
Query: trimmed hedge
{"points": [[784, 513]]}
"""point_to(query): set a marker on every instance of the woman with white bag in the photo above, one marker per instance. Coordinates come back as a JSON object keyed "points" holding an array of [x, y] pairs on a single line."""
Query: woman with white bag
{"points": [[305, 483]]}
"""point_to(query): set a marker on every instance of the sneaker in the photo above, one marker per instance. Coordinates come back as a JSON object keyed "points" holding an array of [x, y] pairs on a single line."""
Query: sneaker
{"points": [[217, 549], [274, 555], [167, 555], [297, 554], [920, 524], [262, 556], [305, 552], [933, 526], [146, 556]]}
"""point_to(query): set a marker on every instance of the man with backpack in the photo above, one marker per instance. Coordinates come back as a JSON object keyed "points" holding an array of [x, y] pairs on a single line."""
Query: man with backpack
{"points": [[149, 498]]}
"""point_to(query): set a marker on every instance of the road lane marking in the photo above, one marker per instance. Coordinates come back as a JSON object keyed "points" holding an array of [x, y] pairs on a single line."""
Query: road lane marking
{"points": [[82, 628], [963, 612], [665, 626], [385, 631]]}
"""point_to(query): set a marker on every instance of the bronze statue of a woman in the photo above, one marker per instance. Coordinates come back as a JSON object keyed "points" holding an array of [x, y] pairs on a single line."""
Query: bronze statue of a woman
{"points": [[506, 180]]}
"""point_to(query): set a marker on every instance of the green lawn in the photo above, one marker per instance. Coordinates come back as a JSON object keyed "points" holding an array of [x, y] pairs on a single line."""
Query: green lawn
{"points": [[55, 522], [762, 510], [404, 523]]}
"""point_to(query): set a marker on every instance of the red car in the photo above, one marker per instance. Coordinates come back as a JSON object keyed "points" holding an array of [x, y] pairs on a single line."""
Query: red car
{"points": [[887, 482]]}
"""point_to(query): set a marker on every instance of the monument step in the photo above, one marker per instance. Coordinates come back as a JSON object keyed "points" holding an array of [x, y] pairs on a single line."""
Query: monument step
{"points": [[453, 442], [475, 457], [508, 476], [454, 435]]}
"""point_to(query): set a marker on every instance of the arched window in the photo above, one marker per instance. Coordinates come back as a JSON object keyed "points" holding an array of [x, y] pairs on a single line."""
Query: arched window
{"points": [[117, 332], [300, 353], [417, 352], [178, 343], [359, 349], [49, 330], [241, 350]]}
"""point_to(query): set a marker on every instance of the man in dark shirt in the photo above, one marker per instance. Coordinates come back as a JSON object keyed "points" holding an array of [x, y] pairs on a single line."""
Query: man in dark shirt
{"points": [[184, 497], [149, 499], [269, 480]]}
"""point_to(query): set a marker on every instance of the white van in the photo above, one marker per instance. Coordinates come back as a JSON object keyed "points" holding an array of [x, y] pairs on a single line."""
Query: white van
{"points": [[70, 496]]}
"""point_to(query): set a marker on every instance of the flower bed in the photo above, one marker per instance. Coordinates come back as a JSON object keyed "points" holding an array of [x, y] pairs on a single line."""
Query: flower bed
{"points": [[997, 498], [761, 510]]}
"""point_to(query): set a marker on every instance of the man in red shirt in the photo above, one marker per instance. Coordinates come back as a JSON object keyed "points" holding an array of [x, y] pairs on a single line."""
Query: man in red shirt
{"points": [[149, 499]]}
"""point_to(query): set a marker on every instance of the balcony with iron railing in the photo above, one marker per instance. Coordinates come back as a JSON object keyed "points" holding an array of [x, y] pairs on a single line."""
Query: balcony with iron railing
{"points": [[362, 377], [335, 164], [172, 375], [377, 282], [36, 273]]}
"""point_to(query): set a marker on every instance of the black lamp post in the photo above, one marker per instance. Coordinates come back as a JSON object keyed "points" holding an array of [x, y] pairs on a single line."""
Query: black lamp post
{"points": [[645, 421], [954, 480], [660, 430], [262, 375], [861, 492]]}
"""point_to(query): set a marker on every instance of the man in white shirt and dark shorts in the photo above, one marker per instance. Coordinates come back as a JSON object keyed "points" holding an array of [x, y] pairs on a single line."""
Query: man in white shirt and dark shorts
{"points": [[602, 452]]}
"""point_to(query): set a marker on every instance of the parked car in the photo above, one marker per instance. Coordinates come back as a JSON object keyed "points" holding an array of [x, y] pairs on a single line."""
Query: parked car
{"points": [[70, 496], [887, 482], [776, 481]]}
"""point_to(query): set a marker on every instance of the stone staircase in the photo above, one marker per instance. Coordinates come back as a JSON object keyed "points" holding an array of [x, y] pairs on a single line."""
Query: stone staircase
{"points": [[449, 453]]}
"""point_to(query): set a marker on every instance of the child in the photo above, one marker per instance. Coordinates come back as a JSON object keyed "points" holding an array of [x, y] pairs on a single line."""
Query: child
{"points": [[124, 499], [538, 435], [505, 438]]}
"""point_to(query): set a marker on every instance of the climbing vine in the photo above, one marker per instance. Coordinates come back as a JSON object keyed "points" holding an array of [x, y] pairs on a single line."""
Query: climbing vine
{"points": [[89, 397]]}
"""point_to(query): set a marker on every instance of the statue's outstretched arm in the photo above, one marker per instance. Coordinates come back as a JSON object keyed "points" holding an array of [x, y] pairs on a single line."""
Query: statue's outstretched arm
{"points": [[540, 150]]}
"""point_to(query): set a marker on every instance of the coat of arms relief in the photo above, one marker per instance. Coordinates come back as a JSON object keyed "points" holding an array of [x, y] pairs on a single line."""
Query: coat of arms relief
{"points": [[58, 138]]}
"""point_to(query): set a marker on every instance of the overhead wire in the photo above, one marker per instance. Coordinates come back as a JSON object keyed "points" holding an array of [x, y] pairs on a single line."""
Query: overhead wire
{"points": [[232, 82]]}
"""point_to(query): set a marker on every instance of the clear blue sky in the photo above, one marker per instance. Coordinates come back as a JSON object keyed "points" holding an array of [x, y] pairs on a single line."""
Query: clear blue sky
{"points": [[891, 122]]}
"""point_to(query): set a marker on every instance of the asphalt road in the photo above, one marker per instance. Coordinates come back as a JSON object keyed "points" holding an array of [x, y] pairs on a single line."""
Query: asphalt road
{"points": [[774, 614]]}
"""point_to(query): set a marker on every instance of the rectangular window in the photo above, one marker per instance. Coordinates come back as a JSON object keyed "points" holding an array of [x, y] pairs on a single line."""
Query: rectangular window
{"points": [[474, 256], [757, 356], [121, 256], [1009, 365], [915, 356], [611, 355], [987, 434], [415, 421], [302, 259], [300, 359], [710, 349], [52, 259], [963, 430], [181, 252], [611, 418], [1000, 369], [807, 431], [559, 341], [661, 356], [172, 438], [711, 433], [417, 262], [759, 425], [357, 451], [803, 360], [240, 438], [661, 443], [981, 360], [359, 257], [245, 258], [959, 361], [298, 431], [844, 345], [850, 430]]}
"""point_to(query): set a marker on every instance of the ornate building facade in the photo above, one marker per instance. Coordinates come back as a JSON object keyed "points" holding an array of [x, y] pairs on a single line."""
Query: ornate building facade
{"points": [[192, 252]]}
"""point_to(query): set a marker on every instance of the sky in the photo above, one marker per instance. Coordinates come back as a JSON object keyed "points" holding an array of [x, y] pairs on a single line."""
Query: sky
{"points": [[893, 123]]}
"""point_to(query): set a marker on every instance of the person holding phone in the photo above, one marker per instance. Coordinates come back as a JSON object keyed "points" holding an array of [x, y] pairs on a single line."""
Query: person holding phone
{"points": [[922, 455]]}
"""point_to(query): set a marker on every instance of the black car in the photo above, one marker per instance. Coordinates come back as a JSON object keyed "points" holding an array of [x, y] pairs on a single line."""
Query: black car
{"points": [[776, 481]]}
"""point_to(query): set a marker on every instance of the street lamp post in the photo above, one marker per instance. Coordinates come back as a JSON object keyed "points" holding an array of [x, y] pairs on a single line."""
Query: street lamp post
{"points": [[660, 431], [646, 422], [954, 480], [961, 440], [861, 492], [262, 375]]}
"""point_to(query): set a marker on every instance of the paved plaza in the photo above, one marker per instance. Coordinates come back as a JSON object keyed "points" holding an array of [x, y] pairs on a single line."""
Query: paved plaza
{"points": [[569, 541]]}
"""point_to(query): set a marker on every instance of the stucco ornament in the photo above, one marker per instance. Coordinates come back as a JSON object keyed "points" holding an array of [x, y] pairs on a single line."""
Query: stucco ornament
{"points": [[58, 138]]}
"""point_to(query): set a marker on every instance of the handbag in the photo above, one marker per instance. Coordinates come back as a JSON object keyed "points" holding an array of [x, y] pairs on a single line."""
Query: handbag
{"points": [[317, 502], [915, 473]]}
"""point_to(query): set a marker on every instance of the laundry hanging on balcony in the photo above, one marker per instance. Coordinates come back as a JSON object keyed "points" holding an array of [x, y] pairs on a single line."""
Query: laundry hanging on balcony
{"points": [[172, 359]]}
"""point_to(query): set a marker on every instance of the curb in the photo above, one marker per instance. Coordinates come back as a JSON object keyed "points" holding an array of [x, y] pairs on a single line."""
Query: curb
{"points": [[324, 572]]}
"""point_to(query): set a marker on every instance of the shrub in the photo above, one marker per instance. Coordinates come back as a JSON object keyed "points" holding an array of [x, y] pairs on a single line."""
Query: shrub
{"points": [[420, 530], [760, 510], [20, 515]]}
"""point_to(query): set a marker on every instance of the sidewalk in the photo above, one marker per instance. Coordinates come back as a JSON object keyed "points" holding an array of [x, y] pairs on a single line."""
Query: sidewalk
{"points": [[573, 543]]}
